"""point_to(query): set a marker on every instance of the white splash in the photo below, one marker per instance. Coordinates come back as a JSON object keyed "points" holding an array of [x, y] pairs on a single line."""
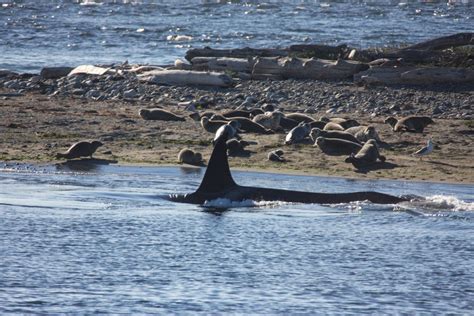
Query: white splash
{"points": [[449, 203], [226, 203], [179, 38]]}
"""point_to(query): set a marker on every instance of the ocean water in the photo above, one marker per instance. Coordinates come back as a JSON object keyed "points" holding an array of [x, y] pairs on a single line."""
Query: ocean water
{"points": [[100, 239], [34, 34]]}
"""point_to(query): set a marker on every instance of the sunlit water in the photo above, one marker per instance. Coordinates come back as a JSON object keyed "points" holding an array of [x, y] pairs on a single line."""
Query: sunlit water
{"points": [[102, 240], [52, 33]]}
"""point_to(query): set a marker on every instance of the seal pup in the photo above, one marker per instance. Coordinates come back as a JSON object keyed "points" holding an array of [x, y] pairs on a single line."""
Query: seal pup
{"points": [[363, 133], [270, 120], [316, 132], [297, 134], [335, 146], [80, 149], [366, 156], [276, 155], [330, 126], [428, 149], [190, 157], [159, 114], [415, 124]]}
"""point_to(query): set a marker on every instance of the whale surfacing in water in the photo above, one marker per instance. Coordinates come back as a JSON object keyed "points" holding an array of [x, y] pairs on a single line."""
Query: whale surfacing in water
{"points": [[218, 183]]}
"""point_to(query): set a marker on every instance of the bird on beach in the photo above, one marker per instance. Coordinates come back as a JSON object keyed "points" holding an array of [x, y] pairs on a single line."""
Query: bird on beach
{"points": [[425, 150]]}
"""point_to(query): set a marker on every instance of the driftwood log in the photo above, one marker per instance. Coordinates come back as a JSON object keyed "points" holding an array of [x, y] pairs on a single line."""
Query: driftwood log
{"points": [[300, 68], [460, 39], [414, 76], [222, 64], [235, 53], [186, 77]]}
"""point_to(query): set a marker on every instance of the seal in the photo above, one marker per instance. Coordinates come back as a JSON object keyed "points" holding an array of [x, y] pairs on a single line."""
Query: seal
{"points": [[317, 132], [198, 116], [80, 149], [228, 131], [414, 124], [190, 157], [345, 123], [211, 126], [247, 125], [270, 120], [330, 126], [276, 155], [336, 146], [159, 114], [287, 123], [298, 133], [363, 133], [366, 156], [242, 113], [236, 147], [300, 117]]}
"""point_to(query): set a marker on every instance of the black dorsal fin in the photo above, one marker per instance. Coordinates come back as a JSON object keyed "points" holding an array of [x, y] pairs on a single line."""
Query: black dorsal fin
{"points": [[217, 177]]}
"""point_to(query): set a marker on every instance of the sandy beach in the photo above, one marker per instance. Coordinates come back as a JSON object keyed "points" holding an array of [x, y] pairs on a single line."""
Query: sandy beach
{"points": [[35, 127]]}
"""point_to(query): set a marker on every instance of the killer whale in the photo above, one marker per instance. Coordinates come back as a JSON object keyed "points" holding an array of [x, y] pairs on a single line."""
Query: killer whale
{"points": [[218, 183]]}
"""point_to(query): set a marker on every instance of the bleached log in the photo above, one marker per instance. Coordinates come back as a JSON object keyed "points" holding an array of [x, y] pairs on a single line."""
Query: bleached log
{"points": [[414, 76], [186, 77], [300, 68], [91, 70], [235, 53], [460, 39], [222, 64]]}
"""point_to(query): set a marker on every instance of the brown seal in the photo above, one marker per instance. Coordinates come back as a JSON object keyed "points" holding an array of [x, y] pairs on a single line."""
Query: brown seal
{"points": [[80, 149], [270, 120], [247, 125], [363, 133], [190, 157], [366, 156], [335, 146], [159, 114], [333, 127], [415, 124], [300, 117]]}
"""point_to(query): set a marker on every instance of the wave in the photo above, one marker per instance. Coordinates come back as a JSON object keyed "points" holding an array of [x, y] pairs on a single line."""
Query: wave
{"points": [[437, 203], [226, 203]]}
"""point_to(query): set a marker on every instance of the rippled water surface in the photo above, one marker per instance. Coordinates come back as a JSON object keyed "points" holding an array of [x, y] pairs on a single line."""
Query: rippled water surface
{"points": [[48, 33], [102, 240]]}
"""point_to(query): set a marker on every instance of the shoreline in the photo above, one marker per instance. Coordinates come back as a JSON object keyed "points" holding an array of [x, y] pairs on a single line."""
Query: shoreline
{"points": [[36, 126]]}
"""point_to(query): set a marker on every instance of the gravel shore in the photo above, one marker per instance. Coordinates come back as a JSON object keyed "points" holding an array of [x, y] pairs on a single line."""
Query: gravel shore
{"points": [[44, 116]]}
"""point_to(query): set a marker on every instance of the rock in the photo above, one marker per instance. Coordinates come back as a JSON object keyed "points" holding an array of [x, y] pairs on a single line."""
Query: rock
{"points": [[130, 94], [55, 72]]}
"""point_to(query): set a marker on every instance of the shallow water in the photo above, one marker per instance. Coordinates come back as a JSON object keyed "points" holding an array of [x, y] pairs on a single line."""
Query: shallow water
{"points": [[34, 34], [101, 240]]}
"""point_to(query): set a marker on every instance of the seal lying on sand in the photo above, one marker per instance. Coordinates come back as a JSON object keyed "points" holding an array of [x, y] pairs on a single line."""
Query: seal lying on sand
{"points": [[242, 113], [211, 126], [229, 130], [270, 120], [247, 125], [363, 133], [300, 117], [190, 157], [335, 146], [316, 132], [236, 147], [276, 155], [80, 149], [415, 124], [298, 133], [345, 123], [159, 114], [333, 127], [366, 156]]}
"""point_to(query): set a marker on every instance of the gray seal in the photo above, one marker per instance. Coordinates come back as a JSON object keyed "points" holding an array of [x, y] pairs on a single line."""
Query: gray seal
{"points": [[211, 126], [297, 134], [80, 149], [300, 117], [159, 114], [247, 125], [270, 120], [414, 124], [317, 132], [335, 146], [363, 133]]}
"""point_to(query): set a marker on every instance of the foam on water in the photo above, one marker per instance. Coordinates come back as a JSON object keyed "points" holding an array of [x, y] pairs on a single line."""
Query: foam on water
{"points": [[226, 203]]}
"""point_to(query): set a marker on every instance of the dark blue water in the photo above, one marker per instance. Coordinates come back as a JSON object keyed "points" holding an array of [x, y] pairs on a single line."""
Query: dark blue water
{"points": [[34, 34], [102, 241]]}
